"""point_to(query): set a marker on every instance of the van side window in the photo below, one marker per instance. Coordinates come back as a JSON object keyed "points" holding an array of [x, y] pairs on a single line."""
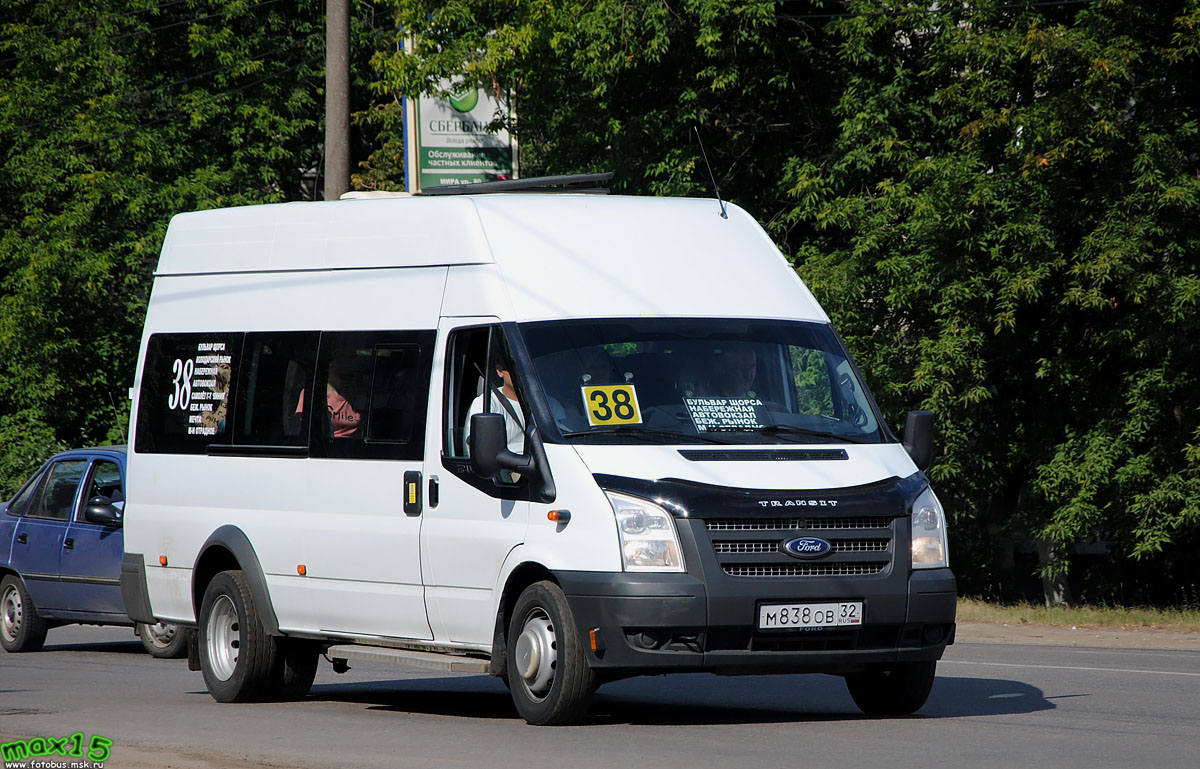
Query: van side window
{"points": [[465, 362], [371, 395], [276, 367], [187, 385], [57, 495]]}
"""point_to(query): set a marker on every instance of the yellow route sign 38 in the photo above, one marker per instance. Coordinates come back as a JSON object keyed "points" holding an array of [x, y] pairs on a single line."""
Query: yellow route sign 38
{"points": [[611, 405]]}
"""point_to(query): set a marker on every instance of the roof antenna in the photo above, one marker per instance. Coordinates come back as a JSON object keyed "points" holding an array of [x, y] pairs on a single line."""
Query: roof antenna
{"points": [[710, 172]]}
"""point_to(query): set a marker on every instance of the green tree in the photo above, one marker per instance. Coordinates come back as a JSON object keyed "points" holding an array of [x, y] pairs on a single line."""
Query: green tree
{"points": [[1005, 232], [607, 85], [113, 117]]}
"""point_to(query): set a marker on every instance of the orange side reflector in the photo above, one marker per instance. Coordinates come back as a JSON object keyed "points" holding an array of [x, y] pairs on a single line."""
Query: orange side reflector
{"points": [[162, 560], [301, 569], [592, 636]]}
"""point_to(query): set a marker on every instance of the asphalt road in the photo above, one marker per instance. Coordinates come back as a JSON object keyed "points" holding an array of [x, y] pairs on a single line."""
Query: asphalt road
{"points": [[994, 705]]}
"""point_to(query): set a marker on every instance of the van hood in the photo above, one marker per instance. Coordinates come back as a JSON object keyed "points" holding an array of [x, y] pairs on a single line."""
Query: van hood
{"points": [[831, 466]]}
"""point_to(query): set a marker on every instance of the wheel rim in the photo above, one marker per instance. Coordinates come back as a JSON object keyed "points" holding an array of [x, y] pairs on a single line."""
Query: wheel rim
{"points": [[160, 633], [224, 637], [13, 613], [537, 654]]}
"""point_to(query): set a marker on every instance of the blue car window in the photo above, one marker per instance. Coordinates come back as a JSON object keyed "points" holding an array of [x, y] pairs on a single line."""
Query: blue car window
{"points": [[57, 494], [21, 501], [105, 484]]}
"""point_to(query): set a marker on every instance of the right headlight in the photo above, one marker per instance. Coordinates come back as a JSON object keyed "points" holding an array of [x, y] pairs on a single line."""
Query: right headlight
{"points": [[929, 547], [647, 535]]}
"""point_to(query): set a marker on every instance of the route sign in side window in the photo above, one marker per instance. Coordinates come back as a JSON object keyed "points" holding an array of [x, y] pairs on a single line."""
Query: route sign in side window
{"points": [[187, 384], [57, 495], [275, 378], [372, 389]]}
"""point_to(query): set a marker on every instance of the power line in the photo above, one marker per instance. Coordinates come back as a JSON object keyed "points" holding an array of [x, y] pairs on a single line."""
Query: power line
{"points": [[142, 94], [94, 20], [80, 147], [172, 25]]}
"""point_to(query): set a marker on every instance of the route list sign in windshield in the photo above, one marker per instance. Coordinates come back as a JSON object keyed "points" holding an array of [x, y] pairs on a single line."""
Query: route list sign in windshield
{"points": [[725, 414]]}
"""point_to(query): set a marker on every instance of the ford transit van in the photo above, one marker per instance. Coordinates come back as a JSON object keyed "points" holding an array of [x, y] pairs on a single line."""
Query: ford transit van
{"points": [[556, 438]]}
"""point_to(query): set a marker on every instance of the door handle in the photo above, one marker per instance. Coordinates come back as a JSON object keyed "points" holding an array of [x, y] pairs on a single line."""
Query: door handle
{"points": [[22, 538], [412, 492], [68, 544], [433, 491]]}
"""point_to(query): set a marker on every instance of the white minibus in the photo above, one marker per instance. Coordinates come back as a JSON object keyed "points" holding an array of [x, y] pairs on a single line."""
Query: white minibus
{"points": [[555, 437]]}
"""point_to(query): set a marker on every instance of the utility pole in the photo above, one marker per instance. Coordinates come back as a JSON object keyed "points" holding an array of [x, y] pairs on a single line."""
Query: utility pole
{"points": [[337, 98]]}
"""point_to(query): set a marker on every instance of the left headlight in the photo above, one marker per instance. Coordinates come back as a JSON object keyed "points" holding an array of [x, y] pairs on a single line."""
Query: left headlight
{"points": [[647, 535], [929, 547]]}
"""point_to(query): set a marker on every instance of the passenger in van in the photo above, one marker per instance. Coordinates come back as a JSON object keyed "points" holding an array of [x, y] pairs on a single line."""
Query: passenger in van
{"points": [[342, 392], [735, 370], [514, 422]]}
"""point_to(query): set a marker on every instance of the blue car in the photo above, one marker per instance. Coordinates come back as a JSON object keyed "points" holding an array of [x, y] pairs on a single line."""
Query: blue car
{"points": [[61, 545]]}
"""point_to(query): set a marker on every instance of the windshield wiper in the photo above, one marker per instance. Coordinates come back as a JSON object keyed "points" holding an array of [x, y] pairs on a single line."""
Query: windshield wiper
{"points": [[646, 432], [783, 430]]}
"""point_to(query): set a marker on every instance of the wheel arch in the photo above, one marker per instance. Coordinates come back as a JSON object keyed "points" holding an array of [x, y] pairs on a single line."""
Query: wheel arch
{"points": [[226, 549], [521, 577]]}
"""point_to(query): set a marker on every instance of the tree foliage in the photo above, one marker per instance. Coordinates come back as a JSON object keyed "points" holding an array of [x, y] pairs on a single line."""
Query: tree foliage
{"points": [[1005, 229], [113, 117], [996, 201]]}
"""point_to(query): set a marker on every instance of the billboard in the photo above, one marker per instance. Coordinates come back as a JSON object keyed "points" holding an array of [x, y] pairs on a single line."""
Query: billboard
{"points": [[447, 139]]}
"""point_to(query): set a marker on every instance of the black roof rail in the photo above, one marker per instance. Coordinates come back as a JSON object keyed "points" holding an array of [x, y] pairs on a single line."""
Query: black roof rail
{"points": [[584, 183]]}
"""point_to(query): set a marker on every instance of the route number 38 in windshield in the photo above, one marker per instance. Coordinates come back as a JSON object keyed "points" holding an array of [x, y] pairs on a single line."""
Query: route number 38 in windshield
{"points": [[611, 405]]}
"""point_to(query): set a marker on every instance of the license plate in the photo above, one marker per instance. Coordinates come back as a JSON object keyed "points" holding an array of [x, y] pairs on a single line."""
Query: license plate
{"points": [[808, 616]]}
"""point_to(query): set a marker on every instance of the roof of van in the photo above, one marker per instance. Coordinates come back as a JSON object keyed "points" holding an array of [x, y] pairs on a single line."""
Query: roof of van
{"points": [[549, 248]]}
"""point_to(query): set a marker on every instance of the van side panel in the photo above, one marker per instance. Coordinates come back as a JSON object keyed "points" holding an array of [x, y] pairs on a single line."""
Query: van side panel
{"points": [[340, 519]]}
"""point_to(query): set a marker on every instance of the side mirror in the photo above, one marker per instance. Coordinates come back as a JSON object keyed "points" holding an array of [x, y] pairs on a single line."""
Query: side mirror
{"points": [[918, 438], [101, 510], [488, 445]]}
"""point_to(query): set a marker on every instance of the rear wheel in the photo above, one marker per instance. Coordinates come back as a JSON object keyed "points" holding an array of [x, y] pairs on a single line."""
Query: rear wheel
{"points": [[163, 640], [240, 661], [21, 628], [894, 690], [548, 674]]}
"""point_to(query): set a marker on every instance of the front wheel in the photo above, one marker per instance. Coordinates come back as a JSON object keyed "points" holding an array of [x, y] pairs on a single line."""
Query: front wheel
{"points": [[163, 640], [238, 658], [548, 674], [21, 628], [895, 690]]}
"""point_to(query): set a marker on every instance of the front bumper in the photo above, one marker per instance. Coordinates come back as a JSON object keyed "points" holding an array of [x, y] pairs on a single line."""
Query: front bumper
{"points": [[678, 623]]}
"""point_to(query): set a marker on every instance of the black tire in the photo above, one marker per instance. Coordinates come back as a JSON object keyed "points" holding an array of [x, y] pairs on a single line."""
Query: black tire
{"points": [[163, 640], [548, 674], [240, 661], [22, 629], [895, 690], [297, 668]]}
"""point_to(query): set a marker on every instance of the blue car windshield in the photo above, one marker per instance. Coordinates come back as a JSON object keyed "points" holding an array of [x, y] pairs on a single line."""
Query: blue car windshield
{"points": [[700, 380]]}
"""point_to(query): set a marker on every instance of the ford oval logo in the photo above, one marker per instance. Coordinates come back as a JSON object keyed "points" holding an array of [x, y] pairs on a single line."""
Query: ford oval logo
{"points": [[807, 547]]}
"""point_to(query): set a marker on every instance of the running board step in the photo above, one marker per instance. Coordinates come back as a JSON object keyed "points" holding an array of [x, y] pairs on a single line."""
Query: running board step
{"points": [[452, 662]]}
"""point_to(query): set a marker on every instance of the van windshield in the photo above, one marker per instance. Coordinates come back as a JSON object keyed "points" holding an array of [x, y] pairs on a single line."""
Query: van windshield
{"points": [[695, 380]]}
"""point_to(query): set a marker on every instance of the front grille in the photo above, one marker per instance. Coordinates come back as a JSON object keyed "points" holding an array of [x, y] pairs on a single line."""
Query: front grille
{"points": [[773, 545], [805, 569], [860, 546]]}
